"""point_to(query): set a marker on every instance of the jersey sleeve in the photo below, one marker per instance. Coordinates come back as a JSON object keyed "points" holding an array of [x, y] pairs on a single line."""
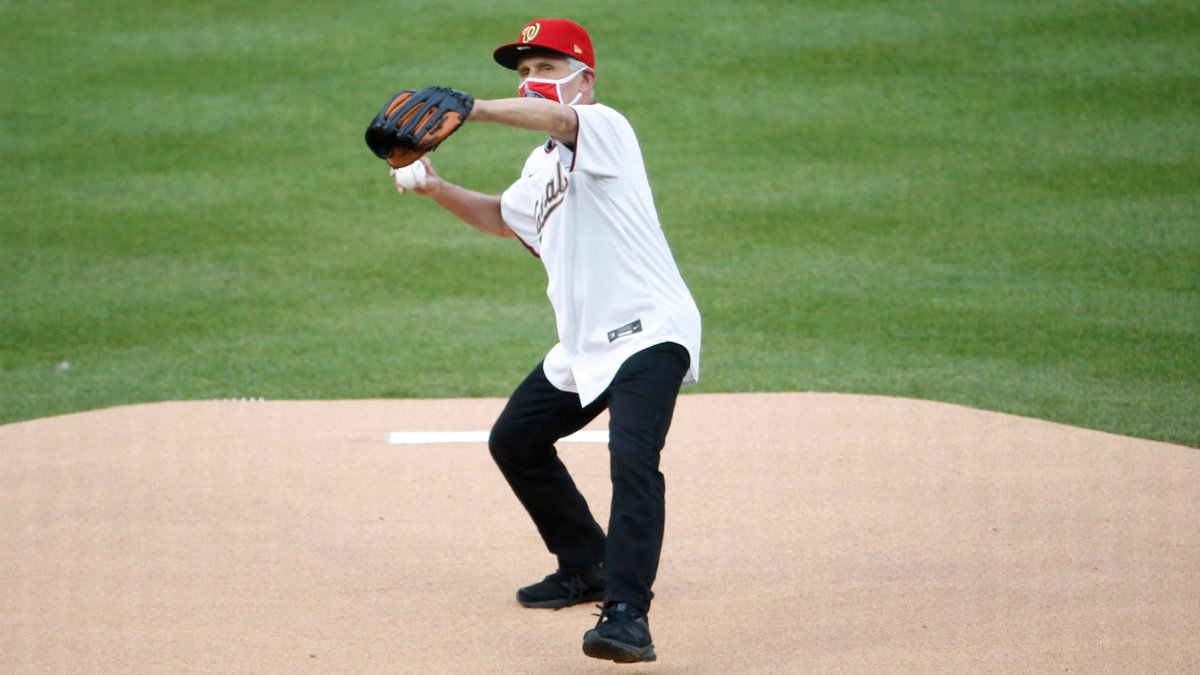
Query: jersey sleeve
{"points": [[516, 208], [604, 144]]}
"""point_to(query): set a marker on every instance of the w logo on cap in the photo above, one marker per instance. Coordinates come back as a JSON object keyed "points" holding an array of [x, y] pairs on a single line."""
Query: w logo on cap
{"points": [[551, 35]]}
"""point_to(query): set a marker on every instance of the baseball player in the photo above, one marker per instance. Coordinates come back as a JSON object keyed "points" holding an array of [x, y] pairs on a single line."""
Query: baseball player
{"points": [[628, 330]]}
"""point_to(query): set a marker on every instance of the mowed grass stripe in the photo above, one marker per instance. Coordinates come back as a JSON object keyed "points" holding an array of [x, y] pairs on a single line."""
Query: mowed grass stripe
{"points": [[992, 204]]}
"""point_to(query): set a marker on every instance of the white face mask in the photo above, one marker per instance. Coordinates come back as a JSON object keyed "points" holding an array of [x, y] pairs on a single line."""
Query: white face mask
{"points": [[537, 87]]}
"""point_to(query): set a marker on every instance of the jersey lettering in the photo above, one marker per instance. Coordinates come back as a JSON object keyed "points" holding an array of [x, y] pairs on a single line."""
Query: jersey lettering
{"points": [[552, 197]]}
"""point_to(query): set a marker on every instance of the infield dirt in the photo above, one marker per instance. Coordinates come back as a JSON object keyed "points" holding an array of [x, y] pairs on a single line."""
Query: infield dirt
{"points": [[806, 533]]}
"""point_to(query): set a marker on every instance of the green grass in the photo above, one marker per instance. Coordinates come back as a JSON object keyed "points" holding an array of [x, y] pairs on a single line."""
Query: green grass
{"points": [[992, 204]]}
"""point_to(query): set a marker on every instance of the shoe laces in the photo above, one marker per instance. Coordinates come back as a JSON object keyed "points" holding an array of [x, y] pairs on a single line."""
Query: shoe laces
{"points": [[572, 582], [610, 611], [575, 586]]}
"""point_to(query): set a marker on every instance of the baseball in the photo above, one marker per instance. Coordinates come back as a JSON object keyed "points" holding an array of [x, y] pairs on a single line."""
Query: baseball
{"points": [[409, 177]]}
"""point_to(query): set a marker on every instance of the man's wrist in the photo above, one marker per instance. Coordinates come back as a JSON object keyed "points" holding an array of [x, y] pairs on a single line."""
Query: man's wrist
{"points": [[479, 112]]}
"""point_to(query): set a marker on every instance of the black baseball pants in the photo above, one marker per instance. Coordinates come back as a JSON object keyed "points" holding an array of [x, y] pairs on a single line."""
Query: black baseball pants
{"points": [[640, 402]]}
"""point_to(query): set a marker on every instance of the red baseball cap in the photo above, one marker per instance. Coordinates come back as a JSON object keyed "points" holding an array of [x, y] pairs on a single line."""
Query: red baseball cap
{"points": [[557, 35]]}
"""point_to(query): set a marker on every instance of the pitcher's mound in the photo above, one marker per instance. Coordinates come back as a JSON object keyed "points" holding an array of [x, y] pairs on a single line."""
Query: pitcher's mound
{"points": [[805, 533]]}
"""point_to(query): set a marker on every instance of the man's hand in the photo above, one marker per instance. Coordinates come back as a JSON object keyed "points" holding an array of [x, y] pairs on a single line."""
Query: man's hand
{"points": [[419, 177]]}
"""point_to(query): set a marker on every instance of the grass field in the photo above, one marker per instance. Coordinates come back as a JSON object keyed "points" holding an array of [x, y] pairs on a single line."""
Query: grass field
{"points": [[992, 204]]}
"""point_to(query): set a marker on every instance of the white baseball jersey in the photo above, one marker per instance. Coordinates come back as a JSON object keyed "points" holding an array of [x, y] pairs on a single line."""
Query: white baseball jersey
{"points": [[589, 215]]}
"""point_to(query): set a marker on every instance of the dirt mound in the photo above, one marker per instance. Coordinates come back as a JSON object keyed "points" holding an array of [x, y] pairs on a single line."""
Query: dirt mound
{"points": [[805, 533]]}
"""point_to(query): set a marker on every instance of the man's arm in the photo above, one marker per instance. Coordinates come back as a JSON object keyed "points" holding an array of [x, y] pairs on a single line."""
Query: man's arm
{"points": [[479, 210], [535, 114]]}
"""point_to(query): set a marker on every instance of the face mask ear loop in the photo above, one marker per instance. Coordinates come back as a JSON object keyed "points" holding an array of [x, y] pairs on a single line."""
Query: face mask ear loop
{"points": [[578, 94]]}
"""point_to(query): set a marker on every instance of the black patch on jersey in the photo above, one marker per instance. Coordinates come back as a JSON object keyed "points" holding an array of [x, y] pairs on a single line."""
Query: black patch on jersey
{"points": [[625, 331]]}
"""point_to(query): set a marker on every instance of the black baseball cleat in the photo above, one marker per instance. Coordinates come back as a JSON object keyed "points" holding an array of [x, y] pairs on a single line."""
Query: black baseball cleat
{"points": [[622, 634], [563, 589]]}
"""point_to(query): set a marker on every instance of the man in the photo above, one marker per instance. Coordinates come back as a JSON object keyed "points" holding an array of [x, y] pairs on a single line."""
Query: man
{"points": [[628, 331]]}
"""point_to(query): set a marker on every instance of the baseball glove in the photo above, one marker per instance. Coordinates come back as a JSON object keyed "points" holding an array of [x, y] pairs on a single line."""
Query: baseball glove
{"points": [[414, 122]]}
